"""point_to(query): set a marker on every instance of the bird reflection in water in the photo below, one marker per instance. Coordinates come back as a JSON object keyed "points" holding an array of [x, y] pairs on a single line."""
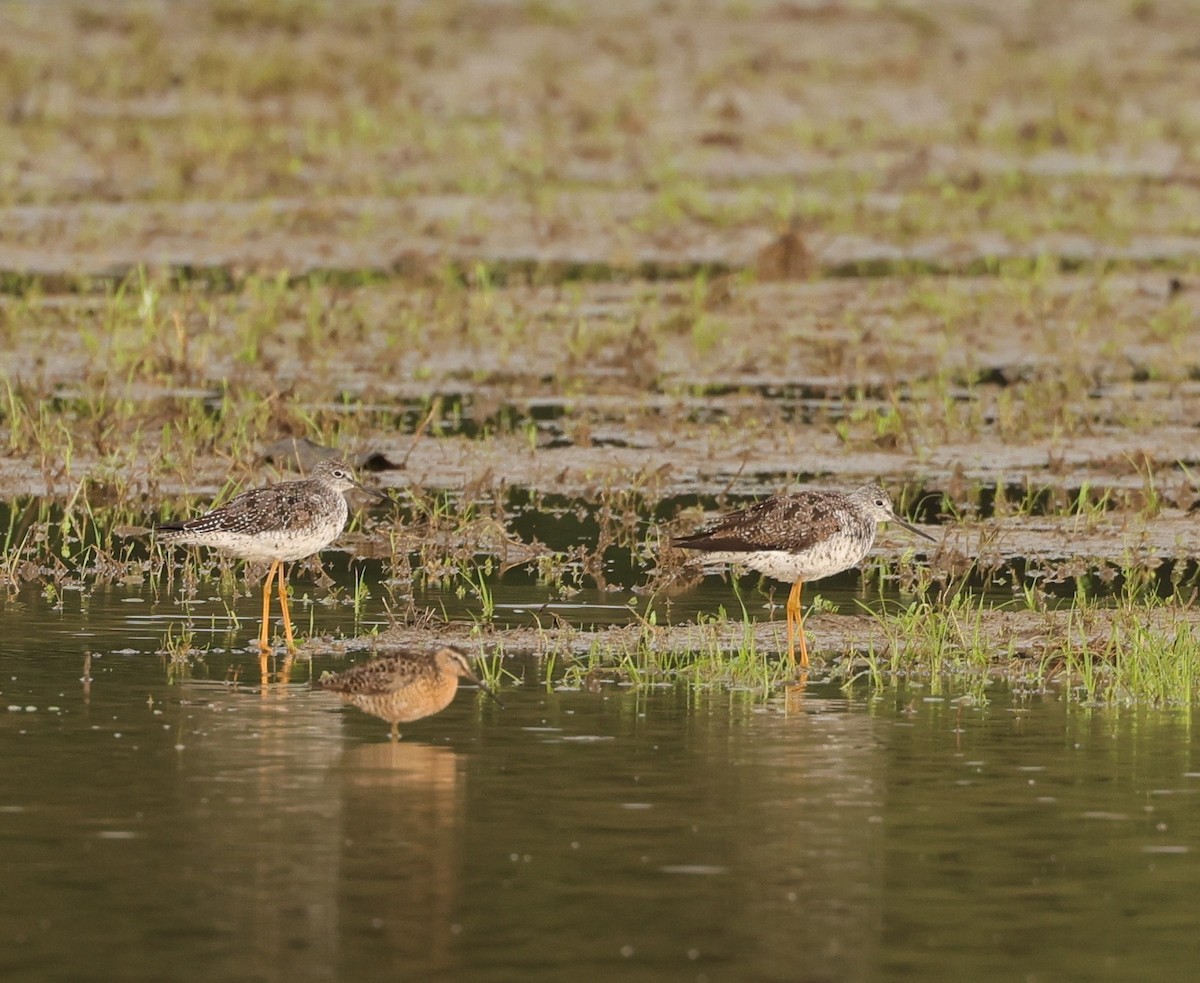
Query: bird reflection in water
{"points": [[402, 855]]}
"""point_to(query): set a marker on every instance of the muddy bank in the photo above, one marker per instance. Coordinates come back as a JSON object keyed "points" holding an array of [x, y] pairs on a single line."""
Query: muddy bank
{"points": [[945, 385], [630, 265], [595, 235], [878, 105]]}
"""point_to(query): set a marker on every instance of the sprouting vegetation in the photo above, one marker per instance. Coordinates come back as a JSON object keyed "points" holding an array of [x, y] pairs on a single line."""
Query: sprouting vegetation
{"points": [[561, 320]]}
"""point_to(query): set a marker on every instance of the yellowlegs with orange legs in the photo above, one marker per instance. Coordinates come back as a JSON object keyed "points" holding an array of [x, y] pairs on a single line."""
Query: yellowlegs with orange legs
{"points": [[404, 686], [800, 537], [278, 523]]}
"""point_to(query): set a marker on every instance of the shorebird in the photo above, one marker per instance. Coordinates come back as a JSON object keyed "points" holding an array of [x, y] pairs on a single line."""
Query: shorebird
{"points": [[404, 686], [278, 523], [800, 537]]}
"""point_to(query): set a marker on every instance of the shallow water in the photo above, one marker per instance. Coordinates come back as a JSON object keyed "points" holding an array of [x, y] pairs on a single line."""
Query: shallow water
{"points": [[225, 615], [156, 827]]}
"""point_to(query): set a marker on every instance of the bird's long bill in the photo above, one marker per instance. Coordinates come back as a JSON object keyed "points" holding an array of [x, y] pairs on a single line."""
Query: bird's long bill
{"points": [[487, 689], [373, 492], [911, 528]]}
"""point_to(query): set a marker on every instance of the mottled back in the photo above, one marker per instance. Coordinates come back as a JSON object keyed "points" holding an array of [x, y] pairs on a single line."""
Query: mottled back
{"points": [[291, 505], [789, 523], [383, 674], [397, 670], [286, 506]]}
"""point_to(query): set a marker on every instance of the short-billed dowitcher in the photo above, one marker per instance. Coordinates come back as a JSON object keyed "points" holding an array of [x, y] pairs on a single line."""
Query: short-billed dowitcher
{"points": [[404, 686], [278, 523], [794, 538]]}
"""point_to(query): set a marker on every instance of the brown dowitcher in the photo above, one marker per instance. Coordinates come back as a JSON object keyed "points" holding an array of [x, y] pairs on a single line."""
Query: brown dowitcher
{"points": [[794, 538], [278, 523], [404, 686]]}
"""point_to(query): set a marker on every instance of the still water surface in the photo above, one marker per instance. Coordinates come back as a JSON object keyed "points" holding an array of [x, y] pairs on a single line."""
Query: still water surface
{"points": [[158, 829]]}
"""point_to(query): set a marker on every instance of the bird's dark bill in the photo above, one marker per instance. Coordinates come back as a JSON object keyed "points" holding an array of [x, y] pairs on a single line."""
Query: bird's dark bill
{"points": [[911, 528]]}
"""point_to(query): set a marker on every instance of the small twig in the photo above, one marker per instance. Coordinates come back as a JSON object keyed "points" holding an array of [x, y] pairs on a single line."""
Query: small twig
{"points": [[420, 431]]}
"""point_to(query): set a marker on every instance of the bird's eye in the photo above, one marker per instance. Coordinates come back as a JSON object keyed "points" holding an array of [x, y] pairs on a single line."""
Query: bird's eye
{"points": [[881, 503]]}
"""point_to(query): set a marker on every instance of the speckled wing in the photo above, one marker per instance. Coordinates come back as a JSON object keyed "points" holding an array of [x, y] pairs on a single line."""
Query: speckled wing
{"points": [[368, 677], [285, 506], [791, 523], [386, 674]]}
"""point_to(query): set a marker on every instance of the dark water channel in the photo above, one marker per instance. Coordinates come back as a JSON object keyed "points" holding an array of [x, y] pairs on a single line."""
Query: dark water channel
{"points": [[158, 827]]}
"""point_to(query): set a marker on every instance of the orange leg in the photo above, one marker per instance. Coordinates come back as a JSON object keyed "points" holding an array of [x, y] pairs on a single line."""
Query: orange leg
{"points": [[287, 615], [285, 674], [793, 693], [264, 644], [795, 624]]}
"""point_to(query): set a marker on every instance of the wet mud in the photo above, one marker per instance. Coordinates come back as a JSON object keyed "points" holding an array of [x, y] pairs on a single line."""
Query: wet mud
{"points": [[596, 275]]}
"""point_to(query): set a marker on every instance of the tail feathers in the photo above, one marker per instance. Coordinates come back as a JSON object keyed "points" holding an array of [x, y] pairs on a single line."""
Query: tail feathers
{"points": [[715, 543]]}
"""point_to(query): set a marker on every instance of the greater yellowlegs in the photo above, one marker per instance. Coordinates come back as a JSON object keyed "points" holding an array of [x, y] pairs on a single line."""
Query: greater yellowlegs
{"points": [[278, 523], [403, 686], [794, 538]]}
